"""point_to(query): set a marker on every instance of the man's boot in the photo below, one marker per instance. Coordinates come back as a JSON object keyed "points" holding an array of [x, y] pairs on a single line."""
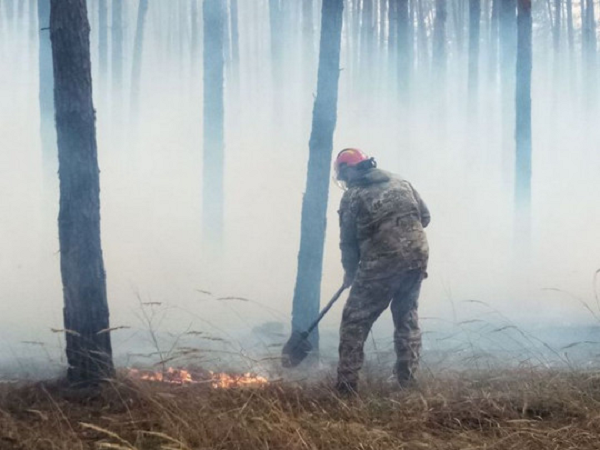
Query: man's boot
{"points": [[404, 375]]}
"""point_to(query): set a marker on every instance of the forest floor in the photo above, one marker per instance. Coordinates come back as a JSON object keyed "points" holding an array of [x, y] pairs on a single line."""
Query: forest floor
{"points": [[516, 409]]}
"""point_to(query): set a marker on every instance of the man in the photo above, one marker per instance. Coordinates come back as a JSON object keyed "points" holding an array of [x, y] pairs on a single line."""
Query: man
{"points": [[384, 254]]}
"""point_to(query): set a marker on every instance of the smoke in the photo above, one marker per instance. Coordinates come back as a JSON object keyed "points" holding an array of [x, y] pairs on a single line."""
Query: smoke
{"points": [[151, 191]]}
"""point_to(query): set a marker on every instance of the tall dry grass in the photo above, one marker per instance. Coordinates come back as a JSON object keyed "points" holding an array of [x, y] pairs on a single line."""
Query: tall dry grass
{"points": [[520, 409]]}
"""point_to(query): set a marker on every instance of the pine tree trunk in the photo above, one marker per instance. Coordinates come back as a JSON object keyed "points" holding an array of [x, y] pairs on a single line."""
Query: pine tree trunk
{"points": [[556, 27], [404, 51], [474, 24], [86, 316], [46, 91], [136, 69], [196, 38], [235, 33], [494, 38], [314, 206], [214, 116], [103, 47], [117, 53], [439, 40], [523, 123]]}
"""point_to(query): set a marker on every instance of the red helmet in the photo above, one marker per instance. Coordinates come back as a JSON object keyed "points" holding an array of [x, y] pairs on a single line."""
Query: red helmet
{"points": [[349, 157]]}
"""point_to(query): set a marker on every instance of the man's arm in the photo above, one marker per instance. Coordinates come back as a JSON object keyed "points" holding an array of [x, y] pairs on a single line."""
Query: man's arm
{"points": [[423, 209], [348, 237]]}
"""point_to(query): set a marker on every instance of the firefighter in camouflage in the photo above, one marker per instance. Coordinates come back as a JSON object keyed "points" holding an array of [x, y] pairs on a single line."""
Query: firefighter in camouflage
{"points": [[384, 254]]}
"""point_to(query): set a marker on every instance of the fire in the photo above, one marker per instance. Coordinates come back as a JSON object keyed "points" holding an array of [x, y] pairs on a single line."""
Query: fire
{"points": [[224, 380], [219, 380]]}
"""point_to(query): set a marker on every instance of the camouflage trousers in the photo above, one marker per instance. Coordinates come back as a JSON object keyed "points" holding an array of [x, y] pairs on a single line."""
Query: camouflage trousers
{"points": [[367, 300]]}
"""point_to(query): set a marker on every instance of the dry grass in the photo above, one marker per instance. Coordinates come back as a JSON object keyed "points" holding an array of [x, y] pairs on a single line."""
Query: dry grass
{"points": [[509, 410]]}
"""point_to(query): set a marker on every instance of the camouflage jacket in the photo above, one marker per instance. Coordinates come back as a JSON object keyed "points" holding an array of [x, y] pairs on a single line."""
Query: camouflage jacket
{"points": [[381, 225]]}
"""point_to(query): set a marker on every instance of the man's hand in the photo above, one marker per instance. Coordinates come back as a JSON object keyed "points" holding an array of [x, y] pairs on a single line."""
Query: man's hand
{"points": [[348, 280]]}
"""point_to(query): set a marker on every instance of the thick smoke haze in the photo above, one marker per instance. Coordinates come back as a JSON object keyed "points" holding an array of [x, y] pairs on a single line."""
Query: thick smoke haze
{"points": [[460, 161]]}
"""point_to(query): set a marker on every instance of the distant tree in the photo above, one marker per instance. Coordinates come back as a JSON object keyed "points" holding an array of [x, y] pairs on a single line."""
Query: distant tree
{"points": [[276, 26], [86, 316], [508, 42], [404, 49], [557, 26], [103, 47], [117, 53], [474, 24], [136, 70], [422, 40], [439, 40], [589, 44], [493, 41], [196, 37], [570, 32], [214, 112], [235, 33], [307, 33], [46, 90], [314, 205], [523, 122]]}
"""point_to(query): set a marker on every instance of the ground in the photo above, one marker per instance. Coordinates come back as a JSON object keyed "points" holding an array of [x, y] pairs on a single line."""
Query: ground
{"points": [[520, 409]]}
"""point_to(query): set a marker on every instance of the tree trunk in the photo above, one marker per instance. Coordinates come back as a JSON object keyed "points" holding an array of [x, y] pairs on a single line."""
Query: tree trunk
{"points": [[494, 37], [393, 12], [214, 112], [307, 33], [439, 40], [196, 39], [314, 206], [86, 316], [235, 33], [46, 93], [103, 47], [523, 124], [507, 40], [556, 27], [367, 38], [404, 50], [136, 69], [570, 34], [117, 53], [275, 22], [474, 23], [422, 41]]}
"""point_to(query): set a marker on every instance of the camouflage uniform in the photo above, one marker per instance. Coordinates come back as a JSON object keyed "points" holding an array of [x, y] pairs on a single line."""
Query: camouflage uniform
{"points": [[384, 247]]}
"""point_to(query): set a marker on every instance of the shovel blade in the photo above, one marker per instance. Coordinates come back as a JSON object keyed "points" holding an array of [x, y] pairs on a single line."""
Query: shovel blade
{"points": [[296, 349]]}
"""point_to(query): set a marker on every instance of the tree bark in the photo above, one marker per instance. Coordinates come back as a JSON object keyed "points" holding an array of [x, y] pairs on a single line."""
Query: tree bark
{"points": [[523, 123], [46, 90], [214, 116], [86, 316], [136, 69], [314, 206]]}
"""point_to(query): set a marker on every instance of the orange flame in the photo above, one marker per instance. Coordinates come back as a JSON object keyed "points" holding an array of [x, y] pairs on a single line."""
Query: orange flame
{"points": [[216, 380]]}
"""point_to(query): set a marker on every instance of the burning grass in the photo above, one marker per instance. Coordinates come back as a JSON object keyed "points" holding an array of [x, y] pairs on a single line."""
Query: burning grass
{"points": [[508, 410]]}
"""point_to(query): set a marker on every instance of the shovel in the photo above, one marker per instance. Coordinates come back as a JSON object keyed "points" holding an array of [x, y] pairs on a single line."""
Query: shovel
{"points": [[298, 347]]}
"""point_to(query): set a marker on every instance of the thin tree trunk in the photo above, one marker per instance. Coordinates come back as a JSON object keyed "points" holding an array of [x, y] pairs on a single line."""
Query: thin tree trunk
{"points": [[556, 27], [523, 124], [103, 47], [439, 40], [474, 24], [214, 116], [570, 33], [46, 90], [314, 206], [86, 316], [422, 41], [404, 56], [136, 69], [393, 12], [494, 38], [117, 53], [196, 38], [235, 33]]}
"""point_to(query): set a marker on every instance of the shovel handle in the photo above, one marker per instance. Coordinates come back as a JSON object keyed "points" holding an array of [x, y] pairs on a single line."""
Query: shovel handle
{"points": [[324, 311]]}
